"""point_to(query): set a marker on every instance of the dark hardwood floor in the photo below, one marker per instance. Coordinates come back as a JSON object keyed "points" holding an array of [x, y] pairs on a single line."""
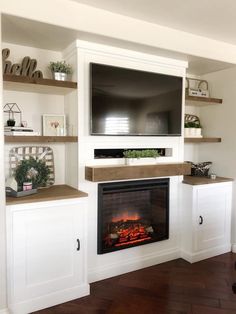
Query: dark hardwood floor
{"points": [[175, 287]]}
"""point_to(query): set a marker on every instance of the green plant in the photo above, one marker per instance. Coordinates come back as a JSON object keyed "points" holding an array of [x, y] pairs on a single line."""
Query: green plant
{"points": [[32, 170], [192, 125], [60, 66], [141, 153]]}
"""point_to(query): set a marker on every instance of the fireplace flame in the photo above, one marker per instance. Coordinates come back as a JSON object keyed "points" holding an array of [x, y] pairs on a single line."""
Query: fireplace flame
{"points": [[126, 216]]}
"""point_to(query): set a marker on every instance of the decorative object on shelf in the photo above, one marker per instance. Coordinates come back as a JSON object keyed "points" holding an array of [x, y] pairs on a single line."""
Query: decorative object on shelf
{"points": [[200, 169], [139, 157], [60, 70], [213, 176], [11, 122], [11, 183], [195, 87], [19, 131], [26, 68], [41, 160], [11, 109], [54, 125], [192, 126], [34, 171]]}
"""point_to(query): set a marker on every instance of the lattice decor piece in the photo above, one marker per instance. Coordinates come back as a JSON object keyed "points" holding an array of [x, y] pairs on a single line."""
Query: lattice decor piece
{"points": [[38, 152]]}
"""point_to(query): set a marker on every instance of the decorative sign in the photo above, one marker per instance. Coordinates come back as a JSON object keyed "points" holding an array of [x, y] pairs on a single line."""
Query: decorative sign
{"points": [[26, 68]]}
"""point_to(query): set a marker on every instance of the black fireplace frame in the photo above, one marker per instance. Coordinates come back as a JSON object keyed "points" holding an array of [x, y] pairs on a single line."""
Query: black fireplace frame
{"points": [[129, 186]]}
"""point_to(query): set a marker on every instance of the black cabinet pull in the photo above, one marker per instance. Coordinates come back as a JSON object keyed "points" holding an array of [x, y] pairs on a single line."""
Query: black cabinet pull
{"points": [[78, 244], [200, 220]]}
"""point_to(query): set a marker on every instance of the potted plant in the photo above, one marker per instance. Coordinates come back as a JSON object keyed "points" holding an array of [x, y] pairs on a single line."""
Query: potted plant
{"points": [[192, 129], [60, 70], [145, 156], [11, 122]]}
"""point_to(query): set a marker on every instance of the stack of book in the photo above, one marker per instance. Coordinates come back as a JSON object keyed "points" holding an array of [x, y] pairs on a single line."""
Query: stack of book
{"points": [[19, 130]]}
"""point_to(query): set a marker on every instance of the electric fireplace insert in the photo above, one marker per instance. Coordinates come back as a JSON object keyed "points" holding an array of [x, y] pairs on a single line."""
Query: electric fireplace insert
{"points": [[132, 213]]}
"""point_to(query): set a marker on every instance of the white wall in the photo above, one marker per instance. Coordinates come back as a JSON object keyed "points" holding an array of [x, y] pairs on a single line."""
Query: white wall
{"points": [[2, 210], [219, 120]]}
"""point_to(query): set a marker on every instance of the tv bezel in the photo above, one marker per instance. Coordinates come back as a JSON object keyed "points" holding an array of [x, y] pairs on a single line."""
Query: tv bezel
{"points": [[129, 134]]}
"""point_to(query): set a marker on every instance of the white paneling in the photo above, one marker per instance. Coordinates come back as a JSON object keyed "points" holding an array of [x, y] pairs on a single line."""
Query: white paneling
{"points": [[107, 265], [2, 208]]}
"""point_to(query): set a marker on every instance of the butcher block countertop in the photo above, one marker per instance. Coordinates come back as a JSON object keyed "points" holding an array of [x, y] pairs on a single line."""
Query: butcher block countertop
{"points": [[53, 193], [191, 180]]}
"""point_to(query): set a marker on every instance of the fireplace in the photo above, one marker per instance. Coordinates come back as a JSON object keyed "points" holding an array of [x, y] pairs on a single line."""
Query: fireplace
{"points": [[132, 213]]}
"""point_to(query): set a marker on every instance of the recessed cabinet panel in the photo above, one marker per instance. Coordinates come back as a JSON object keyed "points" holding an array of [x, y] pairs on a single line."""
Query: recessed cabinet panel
{"points": [[211, 208], [48, 253], [206, 219]]}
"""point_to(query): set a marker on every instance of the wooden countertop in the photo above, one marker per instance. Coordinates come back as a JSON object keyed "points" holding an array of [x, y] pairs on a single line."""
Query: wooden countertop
{"points": [[191, 180], [53, 193]]}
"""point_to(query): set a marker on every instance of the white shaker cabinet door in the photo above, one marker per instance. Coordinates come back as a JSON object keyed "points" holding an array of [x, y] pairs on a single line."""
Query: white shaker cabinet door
{"points": [[47, 255]]}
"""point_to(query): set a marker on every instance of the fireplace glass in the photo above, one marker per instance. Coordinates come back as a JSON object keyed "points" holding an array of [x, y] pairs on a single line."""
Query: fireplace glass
{"points": [[132, 213]]}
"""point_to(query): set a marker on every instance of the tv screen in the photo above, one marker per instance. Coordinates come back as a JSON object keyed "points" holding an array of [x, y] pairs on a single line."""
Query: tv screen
{"points": [[132, 102]]}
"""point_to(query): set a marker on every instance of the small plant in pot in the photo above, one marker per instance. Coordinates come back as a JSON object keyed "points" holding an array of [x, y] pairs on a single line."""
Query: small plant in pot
{"points": [[140, 156], [60, 70], [192, 129], [11, 122]]}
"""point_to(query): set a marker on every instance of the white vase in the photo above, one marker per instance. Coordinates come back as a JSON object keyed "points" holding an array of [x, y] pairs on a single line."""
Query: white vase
{"points": [[192, 132], [59, 76]]}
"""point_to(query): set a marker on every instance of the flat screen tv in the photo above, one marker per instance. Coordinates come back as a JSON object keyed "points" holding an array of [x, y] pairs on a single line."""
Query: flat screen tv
{"points": [[132, 102]]}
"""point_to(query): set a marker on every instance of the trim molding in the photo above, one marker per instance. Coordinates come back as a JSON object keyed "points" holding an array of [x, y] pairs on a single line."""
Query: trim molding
{"points": [[234, 247], [201, 255], [45, 301], [132, 265]]}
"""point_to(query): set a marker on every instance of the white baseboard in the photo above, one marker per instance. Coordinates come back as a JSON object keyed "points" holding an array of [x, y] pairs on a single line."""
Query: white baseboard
{"points": [[49, 300], [126, 266], [234, 247], [4, 311], [201, 255]]}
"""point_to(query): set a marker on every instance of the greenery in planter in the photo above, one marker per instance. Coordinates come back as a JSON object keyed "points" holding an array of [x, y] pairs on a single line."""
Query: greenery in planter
{"points": [[61, 67], [192, 125], [32, 170], [153, 153]]}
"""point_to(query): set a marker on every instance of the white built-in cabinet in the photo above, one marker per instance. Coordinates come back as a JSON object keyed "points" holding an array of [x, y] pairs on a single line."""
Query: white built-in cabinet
{"points": [[206, 220], [46, 254]]}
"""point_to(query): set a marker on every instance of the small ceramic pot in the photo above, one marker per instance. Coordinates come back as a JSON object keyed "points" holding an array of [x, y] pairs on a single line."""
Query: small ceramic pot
{"points": [[59, 76], [11, 122]]}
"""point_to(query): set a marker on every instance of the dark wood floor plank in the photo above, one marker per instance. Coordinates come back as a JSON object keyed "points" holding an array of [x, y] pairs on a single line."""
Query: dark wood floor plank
{"points": [[175, 287]]}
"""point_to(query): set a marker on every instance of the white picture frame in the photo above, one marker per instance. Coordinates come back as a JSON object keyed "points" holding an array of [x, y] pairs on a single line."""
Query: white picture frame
{"points": [[54, 125]]}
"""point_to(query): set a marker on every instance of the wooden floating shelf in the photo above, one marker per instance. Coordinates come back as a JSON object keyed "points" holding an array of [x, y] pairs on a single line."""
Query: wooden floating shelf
{"points": [[202, 139], [27, 84], [55, 192], [192, 180], [201, 101], [40, 139], [123, 172]]}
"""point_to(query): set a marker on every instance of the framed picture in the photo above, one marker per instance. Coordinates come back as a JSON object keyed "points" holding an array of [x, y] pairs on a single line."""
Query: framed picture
{"points": [[54, 125]]}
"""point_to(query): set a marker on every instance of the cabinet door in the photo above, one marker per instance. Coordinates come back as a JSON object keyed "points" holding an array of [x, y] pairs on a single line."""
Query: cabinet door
{"points": [[212, 216], [47, 250]]}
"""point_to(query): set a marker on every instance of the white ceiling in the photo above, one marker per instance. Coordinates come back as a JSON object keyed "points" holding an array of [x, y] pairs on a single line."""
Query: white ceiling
{"points": [[46, 36], [214, 19]]}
